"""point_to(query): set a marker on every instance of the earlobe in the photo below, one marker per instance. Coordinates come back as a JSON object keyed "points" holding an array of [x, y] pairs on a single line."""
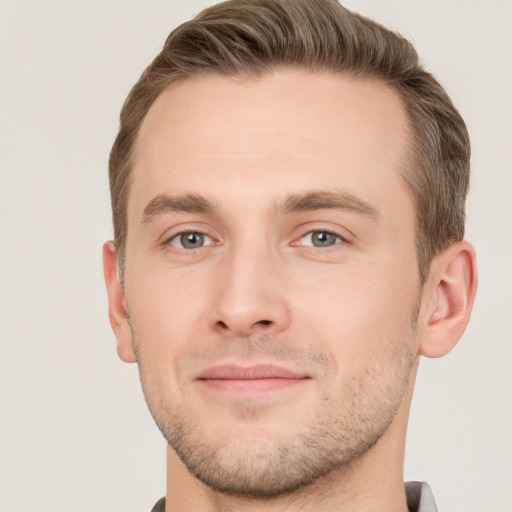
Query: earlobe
{"points": [[451, 290], [116, 305]]}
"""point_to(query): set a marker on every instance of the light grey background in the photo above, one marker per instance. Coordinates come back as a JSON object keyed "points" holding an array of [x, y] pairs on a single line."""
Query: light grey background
{"points": [[74, 431]]}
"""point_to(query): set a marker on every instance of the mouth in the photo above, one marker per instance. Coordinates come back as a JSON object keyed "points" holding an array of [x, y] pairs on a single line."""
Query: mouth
{"points": [[250, 379]]}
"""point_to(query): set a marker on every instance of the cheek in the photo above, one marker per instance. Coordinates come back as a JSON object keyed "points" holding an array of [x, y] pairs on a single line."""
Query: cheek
{"points": [[165, 312], [357, 313]]}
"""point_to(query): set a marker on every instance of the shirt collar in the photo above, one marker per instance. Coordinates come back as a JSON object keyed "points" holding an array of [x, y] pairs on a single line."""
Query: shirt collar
{"points": [[420, 497]]}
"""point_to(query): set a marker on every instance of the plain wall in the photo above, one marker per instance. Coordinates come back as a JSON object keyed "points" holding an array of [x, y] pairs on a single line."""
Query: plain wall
{"points": [[75, 434]]}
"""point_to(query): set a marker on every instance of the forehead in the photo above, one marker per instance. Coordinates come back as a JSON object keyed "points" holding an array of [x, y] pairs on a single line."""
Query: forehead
{"points": [[285, 131]]}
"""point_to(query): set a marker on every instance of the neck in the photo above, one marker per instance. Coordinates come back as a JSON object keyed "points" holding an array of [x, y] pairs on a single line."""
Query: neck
{"points": [[373, 483]]}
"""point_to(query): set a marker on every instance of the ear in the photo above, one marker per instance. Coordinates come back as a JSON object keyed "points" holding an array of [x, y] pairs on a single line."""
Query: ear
{"points": [[449, 294], [116, 305]]}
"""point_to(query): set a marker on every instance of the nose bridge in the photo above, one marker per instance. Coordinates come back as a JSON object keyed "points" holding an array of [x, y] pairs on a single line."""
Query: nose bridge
{"points": [[250, 297]]}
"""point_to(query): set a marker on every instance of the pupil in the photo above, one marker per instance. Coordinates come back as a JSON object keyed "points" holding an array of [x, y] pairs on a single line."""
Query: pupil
{"points": [[322, 239], [192, 240]]}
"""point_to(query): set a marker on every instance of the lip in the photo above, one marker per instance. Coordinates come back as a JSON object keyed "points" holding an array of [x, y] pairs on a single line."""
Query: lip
{"points": [[256, 378]]}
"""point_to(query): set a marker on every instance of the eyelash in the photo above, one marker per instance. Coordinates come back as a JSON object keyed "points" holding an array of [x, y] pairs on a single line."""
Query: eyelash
{"points": [[340, 240], [177, 236]]}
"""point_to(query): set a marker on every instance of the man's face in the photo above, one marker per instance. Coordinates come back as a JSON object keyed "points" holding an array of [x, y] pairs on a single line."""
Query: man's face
{"points": [[271, 277]]}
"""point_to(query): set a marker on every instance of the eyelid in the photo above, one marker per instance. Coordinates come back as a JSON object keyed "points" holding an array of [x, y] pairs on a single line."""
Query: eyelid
{"points": [[343, 239], [177, 236], [205, 230], [177, 231]]}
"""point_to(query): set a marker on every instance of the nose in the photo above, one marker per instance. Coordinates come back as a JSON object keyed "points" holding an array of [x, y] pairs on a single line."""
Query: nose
{"points": [[250, 295]]}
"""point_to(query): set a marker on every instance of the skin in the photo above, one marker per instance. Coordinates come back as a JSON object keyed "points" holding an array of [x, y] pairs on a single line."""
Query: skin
{"points": [[283, 162]]}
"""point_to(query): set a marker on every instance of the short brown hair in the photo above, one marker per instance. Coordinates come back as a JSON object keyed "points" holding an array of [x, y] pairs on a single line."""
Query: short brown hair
{"points": [[251, 37]]}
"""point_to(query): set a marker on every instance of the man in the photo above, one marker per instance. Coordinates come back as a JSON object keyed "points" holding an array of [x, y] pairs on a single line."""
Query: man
{"points": [[288, 190]]}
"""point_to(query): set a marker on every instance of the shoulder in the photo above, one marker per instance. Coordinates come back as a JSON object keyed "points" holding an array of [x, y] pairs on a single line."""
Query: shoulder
{"points": [[159, 506], [420, 497]]}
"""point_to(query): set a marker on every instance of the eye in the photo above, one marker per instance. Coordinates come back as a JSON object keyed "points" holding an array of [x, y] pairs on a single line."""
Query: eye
{"points": [[320, 239], [190, 240]]}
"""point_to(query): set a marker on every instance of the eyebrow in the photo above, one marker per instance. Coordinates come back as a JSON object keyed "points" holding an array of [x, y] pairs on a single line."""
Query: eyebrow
{"points": [[187, 203], [326, 200], [294, 203]]}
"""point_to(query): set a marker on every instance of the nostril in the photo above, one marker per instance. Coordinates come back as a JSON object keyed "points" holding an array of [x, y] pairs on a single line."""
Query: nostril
{"points": [[242, 327]]}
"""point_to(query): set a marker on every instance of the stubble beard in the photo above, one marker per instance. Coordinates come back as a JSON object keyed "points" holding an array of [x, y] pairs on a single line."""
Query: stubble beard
{"points": [[343, 431]]}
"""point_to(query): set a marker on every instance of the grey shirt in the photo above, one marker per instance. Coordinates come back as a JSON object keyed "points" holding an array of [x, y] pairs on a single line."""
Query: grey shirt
{"points": [[419, 498]]}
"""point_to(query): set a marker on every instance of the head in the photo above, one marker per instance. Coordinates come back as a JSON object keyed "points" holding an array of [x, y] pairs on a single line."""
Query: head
{"points": [[288, 188]]}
